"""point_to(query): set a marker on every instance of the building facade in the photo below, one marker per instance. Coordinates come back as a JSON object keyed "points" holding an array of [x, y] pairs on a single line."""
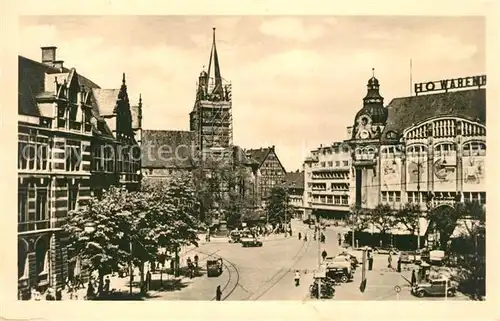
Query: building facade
{"points": [[428, 149], [294, 184], [272, 173], [66, 152], [327, 180]]}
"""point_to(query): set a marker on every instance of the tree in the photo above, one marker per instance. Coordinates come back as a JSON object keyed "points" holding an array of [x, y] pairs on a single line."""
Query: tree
{"points": [[106, 247], [278, 207], [444, 219], [223, 186], [382, 217], [357, 220], [409, 216], [471, 248]]}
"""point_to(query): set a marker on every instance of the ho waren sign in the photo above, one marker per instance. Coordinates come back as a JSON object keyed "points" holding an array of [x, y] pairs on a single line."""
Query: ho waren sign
{"points": [[447, 84]]}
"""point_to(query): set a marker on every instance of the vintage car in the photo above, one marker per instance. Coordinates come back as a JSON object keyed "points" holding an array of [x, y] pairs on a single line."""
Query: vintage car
{"points": [[354, 260], [339, 275], [338, 262], [410, 257], [250, 241], [234, 237], [214, 267], [435, 287]]}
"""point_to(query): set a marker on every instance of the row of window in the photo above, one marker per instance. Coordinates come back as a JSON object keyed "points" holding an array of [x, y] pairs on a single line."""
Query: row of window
{"points": [[40, 214], [334, 150], [331, 175], [271, 172], [337, 163], [422, 197], [329, 199]]}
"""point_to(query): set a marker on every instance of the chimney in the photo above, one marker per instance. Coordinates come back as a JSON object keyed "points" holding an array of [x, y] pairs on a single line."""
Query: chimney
{"points": [[48, 55], [58, 64]]}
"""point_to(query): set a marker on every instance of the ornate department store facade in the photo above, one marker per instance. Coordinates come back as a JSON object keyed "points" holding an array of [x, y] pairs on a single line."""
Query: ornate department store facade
{"points": [[428, 149]]}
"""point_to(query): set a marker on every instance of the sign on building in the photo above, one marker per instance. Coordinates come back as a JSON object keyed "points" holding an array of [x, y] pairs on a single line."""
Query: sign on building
{"points": [[450, 84]]}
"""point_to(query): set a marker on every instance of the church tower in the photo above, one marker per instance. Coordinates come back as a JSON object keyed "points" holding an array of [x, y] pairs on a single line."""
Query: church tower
{"points": [[211, 118]]}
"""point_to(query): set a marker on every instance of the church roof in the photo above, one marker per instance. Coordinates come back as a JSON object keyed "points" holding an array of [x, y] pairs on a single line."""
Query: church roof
{"points": [[404, 112], [259, 155], [104, 101], [168, 149]]}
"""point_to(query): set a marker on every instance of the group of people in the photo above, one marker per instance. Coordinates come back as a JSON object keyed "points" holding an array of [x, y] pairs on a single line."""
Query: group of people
{"points": [[192, 266]]}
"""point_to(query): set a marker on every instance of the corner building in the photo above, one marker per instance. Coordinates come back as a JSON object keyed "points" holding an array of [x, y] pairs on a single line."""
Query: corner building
{"points": [[74, 140], [428, 149]]}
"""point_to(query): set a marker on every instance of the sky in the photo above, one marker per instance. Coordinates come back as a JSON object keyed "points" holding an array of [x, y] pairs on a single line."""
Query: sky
{"points": [[297, 81]]}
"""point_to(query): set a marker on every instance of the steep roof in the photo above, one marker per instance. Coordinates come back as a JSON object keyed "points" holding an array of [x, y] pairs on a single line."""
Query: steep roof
{"points": [[104, 101], [242, 158], [407, 111], [167, 148], [295, 180], [259, 155], [31, 84]]}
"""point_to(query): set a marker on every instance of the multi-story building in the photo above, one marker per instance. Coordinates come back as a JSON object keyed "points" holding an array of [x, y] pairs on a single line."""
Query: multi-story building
{"points": [[294, 184], [74, 139], [272, 172], [428, 149], [211, 118], [327, 177]]}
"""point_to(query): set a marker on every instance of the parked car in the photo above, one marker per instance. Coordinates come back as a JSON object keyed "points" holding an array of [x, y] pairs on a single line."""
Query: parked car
{"points": [[338, 262], [386, 250], [436, 287], [405, 257], [250, 242], [234, 237], [339, 275], [354, 260]]}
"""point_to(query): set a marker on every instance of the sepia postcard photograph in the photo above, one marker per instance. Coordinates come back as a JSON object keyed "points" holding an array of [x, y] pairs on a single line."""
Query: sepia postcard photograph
{"points": [[288, 158]]}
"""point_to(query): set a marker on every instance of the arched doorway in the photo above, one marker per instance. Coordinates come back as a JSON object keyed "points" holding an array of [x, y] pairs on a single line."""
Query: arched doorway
{"points": [[442, 222], [42, 259]]}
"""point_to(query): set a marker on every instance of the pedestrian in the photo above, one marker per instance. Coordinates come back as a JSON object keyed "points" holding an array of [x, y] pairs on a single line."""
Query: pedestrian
{"points": [[300, 236], [413, 278], [324, 254], [370, 263], [399, 265], [59, 294], [296, 277], [196, 260], [323, 238], [90, 291], [218, 293], [50, 295], [148, 281], [389, 261], [305, 237], [107, 284]]}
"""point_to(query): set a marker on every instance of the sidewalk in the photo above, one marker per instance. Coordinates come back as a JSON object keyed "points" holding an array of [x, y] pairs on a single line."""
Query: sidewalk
{"points": [[161, 283]]}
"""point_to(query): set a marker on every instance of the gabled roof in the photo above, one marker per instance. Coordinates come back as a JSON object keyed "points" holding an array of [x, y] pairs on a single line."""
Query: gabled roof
{"points": [[295, 180], [259, 155], [407, 111], [167, 148]]}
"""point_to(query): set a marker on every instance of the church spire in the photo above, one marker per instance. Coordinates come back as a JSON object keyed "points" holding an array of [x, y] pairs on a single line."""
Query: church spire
{"points": [[373, 95], [217, 75]]}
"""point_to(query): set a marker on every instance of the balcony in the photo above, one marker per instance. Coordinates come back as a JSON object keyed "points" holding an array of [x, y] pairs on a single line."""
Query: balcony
{"points": [[33, 226]]}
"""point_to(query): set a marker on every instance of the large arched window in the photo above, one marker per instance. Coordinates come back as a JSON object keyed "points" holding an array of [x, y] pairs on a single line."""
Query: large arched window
{"points": [[474, 149], [42, 256]]}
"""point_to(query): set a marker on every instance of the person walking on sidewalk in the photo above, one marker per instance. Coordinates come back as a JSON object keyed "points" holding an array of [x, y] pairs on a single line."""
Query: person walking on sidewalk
{"points": [[399, 265], [196, 260], [413, 278], [389, 261], [324, 255], [300, 236], [218, 293], [296, 277]]}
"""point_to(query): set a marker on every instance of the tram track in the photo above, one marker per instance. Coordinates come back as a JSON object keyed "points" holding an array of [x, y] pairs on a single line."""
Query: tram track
{"points": [[278, 276]]}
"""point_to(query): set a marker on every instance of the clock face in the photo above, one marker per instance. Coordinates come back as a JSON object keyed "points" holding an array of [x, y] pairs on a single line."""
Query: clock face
{"points": [[364, 134]]}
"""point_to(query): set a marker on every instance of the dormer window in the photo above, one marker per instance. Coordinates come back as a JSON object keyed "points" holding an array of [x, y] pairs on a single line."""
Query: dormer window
{"points": [[391, 135]]}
